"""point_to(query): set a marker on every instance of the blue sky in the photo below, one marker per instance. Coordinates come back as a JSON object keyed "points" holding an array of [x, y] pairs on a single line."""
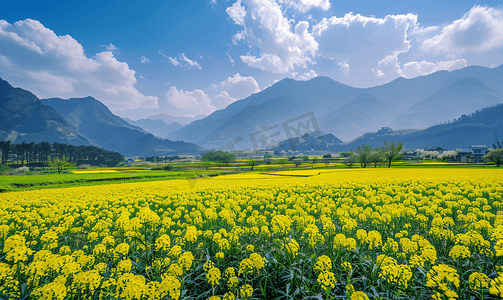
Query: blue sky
{"points": [[194, 57]]}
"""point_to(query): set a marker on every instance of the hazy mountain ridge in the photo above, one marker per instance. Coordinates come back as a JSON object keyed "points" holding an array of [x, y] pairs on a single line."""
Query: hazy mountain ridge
{"points": [[461, 97], [394, 104], [94, 120], [479, 128], [340, 110], [156, 127], [482, 127], [365, 112], [281, 102], [75, 110], [169, 120]]}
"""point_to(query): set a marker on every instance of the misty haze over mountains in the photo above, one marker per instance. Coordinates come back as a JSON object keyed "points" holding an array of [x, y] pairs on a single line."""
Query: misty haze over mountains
{"points": [[348, 112], [343, 114]]}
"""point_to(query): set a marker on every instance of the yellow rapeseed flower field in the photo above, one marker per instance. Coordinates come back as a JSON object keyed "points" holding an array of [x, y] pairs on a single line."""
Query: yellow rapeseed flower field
{"points": [[345, 233]]}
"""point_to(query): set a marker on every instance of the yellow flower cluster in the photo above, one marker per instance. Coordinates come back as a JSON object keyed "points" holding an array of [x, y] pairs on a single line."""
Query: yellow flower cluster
{"points": [[445, 280], [244, 236]]}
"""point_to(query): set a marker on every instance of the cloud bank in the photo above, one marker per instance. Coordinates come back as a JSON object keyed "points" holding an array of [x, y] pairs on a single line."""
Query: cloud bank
{"points": [[196, 102], [359, 50], [34, 57]]}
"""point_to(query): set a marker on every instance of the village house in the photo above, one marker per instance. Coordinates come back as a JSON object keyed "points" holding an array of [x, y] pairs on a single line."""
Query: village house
{"points": [[474, 153]]}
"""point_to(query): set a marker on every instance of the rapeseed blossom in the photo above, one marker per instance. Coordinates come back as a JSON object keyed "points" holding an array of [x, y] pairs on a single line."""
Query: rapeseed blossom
{"points": [[213, 276], [324, 263], [327, 280], [156, 241], [359, 296], [246, 291], [478, 281]]}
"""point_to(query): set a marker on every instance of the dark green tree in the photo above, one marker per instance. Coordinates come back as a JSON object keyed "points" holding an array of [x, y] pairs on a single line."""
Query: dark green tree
{"points": [[6, 147], [218, 156]]}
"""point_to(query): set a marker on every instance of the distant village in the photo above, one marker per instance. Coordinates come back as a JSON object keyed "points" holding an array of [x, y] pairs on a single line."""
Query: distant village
{"points": [[472, 154]]}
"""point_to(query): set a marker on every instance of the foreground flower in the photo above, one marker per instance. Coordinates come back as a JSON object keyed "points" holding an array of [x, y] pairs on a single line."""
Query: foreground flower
{"points": [[246, 291], [324, 263], [327, 280], [478, 281], [359, 296], [213, 276]]}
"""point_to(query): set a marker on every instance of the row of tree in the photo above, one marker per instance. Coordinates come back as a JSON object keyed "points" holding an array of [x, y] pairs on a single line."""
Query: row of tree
{"points": [[33, 154]]}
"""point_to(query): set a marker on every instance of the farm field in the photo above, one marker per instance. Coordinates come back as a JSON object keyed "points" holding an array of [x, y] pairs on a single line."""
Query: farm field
{"points": [[90, 178], [399, 233]]}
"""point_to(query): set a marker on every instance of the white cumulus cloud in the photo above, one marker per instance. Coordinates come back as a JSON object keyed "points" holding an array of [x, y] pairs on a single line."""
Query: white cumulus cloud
{"points": [[194, 102], [222, 100], [479, 30], [344, 67], [239, 87], [280, 46], [306, 76], [35, 58], [237, 13], [369, 45]]}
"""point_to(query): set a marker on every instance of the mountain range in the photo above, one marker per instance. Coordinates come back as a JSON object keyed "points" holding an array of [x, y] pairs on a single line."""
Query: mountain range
{"points": [[169, 119], [483, 127], [77, 121], [157, 127], [348, 112], [24, 118], [334, 115], [93, 119]]}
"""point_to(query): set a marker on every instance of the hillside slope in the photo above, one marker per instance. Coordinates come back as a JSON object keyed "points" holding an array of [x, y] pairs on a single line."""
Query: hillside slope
{"points": [[94, 120], [24, 118]]}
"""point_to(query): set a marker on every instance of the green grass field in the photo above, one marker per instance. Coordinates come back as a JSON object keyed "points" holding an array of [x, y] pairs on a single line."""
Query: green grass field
{"points": [[54, 180]]}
